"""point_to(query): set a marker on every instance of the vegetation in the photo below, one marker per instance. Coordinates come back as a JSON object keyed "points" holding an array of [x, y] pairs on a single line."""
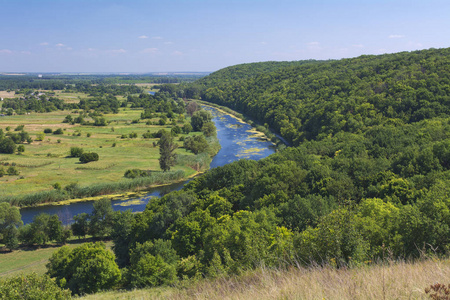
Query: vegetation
{"points": [[32, 287], [86, 269], [45, 172]]}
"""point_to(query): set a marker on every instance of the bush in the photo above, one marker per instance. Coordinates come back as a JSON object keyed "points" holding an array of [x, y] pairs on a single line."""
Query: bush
{"points": [[76, 151], [58, 131], [88, 157], [12, 171], [31, 287], [133, 173], [48, 130]]}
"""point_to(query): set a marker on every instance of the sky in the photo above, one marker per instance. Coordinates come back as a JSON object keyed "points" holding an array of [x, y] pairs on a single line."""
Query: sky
{"points": [[206, 35]]}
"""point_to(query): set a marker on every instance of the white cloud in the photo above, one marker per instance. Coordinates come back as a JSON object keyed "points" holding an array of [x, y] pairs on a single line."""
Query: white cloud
{"points": [[91, 49], [150, 50], [143, 37], [358, 46], [117, 51], [25, 52], [44, 44], [168, 43], [314, 46], [263, 43], [69, 48], [177, 53], [5, 51], [59, 45], [396, 36], [157, 38]]}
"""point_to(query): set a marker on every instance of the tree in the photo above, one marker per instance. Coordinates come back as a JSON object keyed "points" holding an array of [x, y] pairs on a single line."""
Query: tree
{"points": [[88, 268], [7, 146], [101, 218], [199, 118], [167, 148], [209, 129], [10, 219], [80, 225]]}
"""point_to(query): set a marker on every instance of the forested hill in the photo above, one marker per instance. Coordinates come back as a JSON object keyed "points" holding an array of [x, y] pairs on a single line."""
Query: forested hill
{"points": [[236, 73], [315, 99]]}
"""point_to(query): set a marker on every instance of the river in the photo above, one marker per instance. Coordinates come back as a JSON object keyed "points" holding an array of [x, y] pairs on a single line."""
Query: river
{"points": [[237, 142]]}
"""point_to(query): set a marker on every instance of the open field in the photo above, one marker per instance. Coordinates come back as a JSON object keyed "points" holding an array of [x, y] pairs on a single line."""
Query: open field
{"points": [[5, 94], [394, 280], [46, 162], [31, 260]]}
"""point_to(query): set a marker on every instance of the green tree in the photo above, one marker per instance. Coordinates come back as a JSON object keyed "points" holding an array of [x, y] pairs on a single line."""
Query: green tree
{"points": [[167, 154], [7, 146], [88, 268], [101, 218], [209, 129], [80, 225], [10, 219], [199, 118]]}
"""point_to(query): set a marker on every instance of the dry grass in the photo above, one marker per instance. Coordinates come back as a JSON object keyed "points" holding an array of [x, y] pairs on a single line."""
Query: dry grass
{"points": [[5, 94], [396, 280]]}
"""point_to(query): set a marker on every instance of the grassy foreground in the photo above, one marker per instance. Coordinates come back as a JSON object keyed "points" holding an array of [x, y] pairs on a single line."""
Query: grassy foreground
{"points": [[395, 280]]}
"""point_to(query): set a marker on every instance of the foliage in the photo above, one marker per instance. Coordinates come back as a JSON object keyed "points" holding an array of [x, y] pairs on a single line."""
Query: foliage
{"points": [[10, 220], [167, 154], [76, 151], [88, 157], [32, 287], [88, 268]]}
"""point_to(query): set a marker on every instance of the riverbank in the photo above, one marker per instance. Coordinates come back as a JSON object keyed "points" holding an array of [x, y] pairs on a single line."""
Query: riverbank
{"points": [[258, 130]]}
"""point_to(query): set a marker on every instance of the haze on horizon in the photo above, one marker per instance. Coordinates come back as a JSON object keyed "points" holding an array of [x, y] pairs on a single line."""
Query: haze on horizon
{"points": [[202, 36]]}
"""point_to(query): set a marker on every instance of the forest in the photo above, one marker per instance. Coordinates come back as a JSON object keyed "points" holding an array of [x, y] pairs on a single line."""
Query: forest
{"points": [[367, 177]]}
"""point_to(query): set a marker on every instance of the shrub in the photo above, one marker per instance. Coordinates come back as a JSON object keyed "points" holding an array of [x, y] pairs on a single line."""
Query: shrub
{"points": [[88, 157], [76, 151], [12, 171], [32, 287], [48, 130], [133, 173], [58, 131]]}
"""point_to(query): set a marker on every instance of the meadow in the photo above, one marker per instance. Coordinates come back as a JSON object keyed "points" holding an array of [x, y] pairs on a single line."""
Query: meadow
{"points": [[46, 163]]}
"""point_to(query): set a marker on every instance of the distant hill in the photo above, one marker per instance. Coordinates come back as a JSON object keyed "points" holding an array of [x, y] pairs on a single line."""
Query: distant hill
{"points": [[244, 71], [311, 99]]}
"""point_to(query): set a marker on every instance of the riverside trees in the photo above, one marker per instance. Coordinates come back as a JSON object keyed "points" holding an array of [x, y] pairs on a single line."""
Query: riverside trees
{"points": [[167, 148]]}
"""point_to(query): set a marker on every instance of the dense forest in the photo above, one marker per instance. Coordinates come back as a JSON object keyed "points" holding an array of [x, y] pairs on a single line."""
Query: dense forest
{"points": [[368, 176]]}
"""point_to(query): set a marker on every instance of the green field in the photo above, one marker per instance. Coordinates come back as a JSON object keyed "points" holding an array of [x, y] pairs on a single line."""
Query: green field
{"points": [[31, 260], [46, 162]]}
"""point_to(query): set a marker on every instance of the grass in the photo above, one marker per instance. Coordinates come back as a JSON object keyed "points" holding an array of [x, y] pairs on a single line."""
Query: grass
{"points": [[31, 259], [46, 162], [393, 280]]}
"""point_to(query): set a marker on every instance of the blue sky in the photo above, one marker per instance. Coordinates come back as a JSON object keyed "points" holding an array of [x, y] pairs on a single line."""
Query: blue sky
{"points": [[201, 35]]}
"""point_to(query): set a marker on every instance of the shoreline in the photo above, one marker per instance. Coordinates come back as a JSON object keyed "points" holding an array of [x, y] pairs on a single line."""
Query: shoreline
{"points": [[255, 133], [119, 196]]}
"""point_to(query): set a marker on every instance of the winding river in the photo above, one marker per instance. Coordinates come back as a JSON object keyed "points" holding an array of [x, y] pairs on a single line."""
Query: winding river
{"points": [[237, 139]]}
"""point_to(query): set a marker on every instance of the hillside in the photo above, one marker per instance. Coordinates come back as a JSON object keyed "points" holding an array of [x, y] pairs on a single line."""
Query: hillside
{"points": [[369, 178], [314, 100]]}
